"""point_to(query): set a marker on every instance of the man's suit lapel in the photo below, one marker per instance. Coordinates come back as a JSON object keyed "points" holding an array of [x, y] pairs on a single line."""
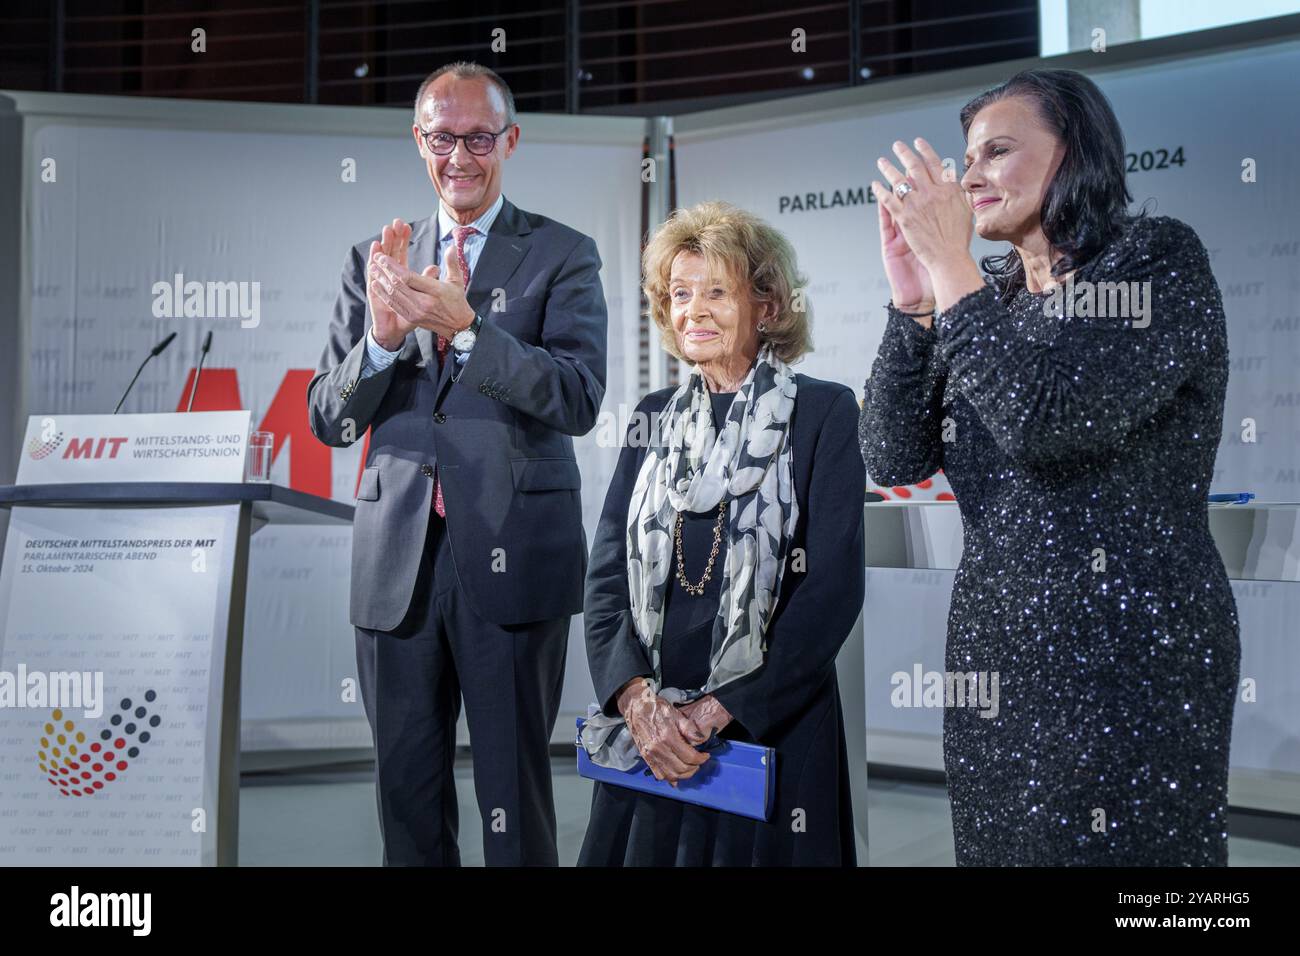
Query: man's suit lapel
{"points": [[506, 245]]}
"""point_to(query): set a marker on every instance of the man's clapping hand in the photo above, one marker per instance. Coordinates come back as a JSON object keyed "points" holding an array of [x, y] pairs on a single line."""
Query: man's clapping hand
{"points": [[658, 729], [422, 299], [390, 329]]}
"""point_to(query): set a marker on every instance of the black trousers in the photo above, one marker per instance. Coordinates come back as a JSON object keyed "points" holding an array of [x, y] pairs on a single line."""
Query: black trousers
{"points": [[412, 681]]}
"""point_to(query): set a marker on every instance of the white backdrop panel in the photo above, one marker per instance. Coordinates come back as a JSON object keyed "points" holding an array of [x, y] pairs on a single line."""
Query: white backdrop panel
{"points": [[133, 205]]}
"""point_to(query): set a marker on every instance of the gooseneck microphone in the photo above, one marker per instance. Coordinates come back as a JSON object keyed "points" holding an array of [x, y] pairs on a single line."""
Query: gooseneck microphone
{"points": [[154, 352], [203, 354]]}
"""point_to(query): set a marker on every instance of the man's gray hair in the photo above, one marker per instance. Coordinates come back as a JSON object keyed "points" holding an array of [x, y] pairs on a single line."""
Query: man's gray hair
{"points": [[465, 70]]}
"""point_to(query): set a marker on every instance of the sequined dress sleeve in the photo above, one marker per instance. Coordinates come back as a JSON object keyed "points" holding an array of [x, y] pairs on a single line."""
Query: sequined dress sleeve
{"points": [[900, 425]]}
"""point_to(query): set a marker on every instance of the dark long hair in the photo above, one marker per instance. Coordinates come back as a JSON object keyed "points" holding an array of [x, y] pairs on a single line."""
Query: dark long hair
{"points": [[1086, 203]]}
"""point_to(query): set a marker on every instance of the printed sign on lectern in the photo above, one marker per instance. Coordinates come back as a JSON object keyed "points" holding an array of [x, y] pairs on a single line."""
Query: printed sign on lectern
{"points": [[114, 642], [193, 446]]}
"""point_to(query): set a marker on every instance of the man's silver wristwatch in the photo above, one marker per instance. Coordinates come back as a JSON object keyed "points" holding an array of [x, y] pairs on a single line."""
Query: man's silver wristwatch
{"points": [[464, 340]]}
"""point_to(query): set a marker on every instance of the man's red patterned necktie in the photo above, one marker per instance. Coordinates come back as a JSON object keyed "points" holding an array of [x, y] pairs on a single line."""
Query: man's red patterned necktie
{"points": [[459, 234]]}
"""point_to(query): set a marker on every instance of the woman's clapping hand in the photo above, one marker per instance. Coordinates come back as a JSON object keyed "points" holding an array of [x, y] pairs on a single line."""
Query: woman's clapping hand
{"points": [[909, 282], [925, 232]]}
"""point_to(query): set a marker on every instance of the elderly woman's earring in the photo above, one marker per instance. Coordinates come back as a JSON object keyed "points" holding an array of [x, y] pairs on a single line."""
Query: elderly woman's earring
{"points": [[762, 328]]}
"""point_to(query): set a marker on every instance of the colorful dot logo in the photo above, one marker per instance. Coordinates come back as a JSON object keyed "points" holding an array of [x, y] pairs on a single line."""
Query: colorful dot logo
{"points": [[38, 449], [80, 770]]}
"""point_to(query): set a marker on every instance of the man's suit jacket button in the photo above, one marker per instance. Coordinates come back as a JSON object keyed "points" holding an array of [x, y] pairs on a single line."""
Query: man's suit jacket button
{"points": [[439, 417], [426, 470], [482, 387]]}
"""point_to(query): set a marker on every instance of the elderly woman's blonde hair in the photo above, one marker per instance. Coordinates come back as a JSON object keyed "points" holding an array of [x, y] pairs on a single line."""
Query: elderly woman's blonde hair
{"points": [[738, 244]]}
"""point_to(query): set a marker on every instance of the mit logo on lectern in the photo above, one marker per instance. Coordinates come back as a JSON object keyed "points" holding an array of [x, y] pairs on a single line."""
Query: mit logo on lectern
{"points": [[90, 448], [38, 448], [106, 447]]}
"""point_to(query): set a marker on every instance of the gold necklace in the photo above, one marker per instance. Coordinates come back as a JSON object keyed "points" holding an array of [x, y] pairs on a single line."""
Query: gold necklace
{"points": [[698, 589]]}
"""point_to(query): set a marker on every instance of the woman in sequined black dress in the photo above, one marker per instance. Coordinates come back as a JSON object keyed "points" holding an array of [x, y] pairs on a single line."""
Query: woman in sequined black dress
{"points": [[1079, 446]]}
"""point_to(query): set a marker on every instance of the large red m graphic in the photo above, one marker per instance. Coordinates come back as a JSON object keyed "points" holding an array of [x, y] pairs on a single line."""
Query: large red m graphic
{"points": [[310, 462]]}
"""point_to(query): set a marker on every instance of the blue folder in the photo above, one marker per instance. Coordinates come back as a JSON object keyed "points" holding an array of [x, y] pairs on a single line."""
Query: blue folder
{"points": [[737, 778]]}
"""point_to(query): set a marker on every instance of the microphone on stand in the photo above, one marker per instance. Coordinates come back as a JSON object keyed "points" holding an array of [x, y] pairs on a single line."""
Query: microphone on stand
{"points": [[203, 354], [155, 351]]}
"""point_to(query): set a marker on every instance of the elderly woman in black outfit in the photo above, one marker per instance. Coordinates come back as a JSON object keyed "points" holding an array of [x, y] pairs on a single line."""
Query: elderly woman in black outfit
{"points": [[1079, 444], [726, 571]]}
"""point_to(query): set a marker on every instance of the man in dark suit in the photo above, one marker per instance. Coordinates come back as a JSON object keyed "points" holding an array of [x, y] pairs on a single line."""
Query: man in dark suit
{"points": [[472, 345]]}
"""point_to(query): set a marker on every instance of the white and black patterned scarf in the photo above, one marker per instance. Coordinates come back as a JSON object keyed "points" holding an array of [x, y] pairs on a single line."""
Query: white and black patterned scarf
{"points": [[749, 464]]}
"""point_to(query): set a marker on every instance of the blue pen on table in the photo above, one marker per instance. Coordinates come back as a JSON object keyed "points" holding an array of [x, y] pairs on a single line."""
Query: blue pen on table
{"points": [[1234, 498]]}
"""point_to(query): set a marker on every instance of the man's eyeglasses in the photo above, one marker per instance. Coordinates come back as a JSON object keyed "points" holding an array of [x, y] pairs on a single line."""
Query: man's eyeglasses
{"points": [[442, 143]]}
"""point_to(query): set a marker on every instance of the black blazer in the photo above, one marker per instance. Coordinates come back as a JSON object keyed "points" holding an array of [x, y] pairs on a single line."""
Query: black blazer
{"points": [[817, 606]]}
